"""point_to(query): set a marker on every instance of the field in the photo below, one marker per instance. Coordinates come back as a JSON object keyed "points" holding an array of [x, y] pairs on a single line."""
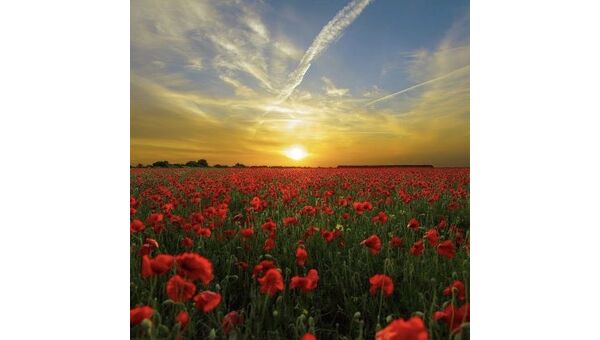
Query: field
{"points": [[262, 253]]}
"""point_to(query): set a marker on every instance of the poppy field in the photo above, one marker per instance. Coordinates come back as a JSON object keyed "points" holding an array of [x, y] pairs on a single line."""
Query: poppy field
{"points": [[263, 253]]}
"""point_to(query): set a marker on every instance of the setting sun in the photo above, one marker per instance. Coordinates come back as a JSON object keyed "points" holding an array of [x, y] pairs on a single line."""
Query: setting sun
{"points": [[295, 152]]}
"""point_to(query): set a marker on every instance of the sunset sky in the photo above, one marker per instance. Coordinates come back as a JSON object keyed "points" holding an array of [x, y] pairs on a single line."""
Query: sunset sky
{"points": [[310, 83]]}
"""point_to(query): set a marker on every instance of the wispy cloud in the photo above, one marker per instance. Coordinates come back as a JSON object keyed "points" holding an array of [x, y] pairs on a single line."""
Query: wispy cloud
{"points": [[329, 33]]}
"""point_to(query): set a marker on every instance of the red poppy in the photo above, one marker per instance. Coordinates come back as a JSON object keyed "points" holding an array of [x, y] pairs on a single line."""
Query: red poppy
{"points": [[205, 232], [381, 282], [301, 256], [373, 242], [328, 235], [306, 283], [269, 245], [257, 204], [308, 336], [230, 320], [155, 218], [247, 232], [262, 268], [242, 265], [138, 314], [194, 267], [207, 301], [432, 237], [183, 318], [417, 248], [271, 282], [380, 218], [269, 225], [446, 249], [187, 242], [453, 316], [361, 207], [400, 329], [396, 242], [136, 226], [157, 266], [413, 224], [180, 289], [290, 221], [459, 287]]}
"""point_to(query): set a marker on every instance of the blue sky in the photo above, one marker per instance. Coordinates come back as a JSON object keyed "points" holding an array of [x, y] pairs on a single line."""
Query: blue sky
{"points": [[236, 81]]}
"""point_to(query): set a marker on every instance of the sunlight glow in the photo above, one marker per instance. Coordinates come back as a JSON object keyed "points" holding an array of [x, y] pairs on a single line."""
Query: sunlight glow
{"points": [[295, 152]]}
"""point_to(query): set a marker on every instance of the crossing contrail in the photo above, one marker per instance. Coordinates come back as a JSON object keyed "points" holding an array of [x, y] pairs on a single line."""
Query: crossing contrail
{"points": [[415, 86]]}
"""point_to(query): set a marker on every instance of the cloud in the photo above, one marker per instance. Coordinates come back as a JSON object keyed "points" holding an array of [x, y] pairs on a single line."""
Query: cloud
{"points": [[332, 90], [328, 34]]}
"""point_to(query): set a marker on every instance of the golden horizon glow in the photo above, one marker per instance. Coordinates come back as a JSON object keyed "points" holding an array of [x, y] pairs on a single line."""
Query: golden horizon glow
{"points": [[296, 152]]}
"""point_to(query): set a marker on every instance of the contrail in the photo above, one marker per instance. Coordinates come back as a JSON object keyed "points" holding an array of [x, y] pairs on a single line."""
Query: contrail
{"points": [[415, 86], [329, 33]]}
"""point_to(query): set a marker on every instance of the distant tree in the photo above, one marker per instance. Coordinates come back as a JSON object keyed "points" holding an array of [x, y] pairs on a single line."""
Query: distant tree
{"points": [[193, 164], [221, 166], [202, 163], [140, 165], [161, 164], [239, 165]]}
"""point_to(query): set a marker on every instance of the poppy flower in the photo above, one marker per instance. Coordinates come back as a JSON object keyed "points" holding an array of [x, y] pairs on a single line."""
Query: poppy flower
{"points": [[247, 232], [207, 301], [262, 268], [328, 235], [301, 256], [271, 282], [361, 207], [381, 217], [242, 265], [155, 218], [413, 224], [432, 237], [400, 329], [308, 210], [396, 242], [157, 266], [194, 267], [269, 245], [187, 242], [373, 242], [269, 225], [180, 289], [308, 336], [453, 316], [306, 283], [256, 203], [459, 287], [230, 320], [138, 314], [136, 226], [381, 282], [183, 318], [417, 248], [446, 249], [289, 221], [204, 232]]}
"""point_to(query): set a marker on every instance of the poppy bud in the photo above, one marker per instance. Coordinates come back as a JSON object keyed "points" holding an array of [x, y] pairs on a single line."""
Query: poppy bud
{"points": [[147, 324], [389, 318], [213, 334], [419, 314], [275, 313], [311, 322], [357, 315], [455, 275]]}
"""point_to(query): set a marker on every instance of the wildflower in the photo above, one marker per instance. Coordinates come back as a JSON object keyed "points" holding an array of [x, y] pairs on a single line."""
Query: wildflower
{"points": [[459, 287], [413, 224], [453, 316], [301, 256], [307, 283], [396, 242], [156, 266], [271, 282], [183, 318], [417, 248], [138, 314], [381, 282], [207, 301], [400, 329], [230, 320], [179, 289], [446, 249], [194, 267], [381, 217], [373, 242], [432, 237]]}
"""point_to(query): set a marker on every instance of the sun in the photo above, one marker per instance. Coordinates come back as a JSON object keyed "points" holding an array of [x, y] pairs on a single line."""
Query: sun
{"points": [[295, 152]]}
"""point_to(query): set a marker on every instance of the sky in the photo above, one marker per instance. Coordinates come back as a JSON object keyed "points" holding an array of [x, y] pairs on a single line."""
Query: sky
{"points": [[307, 83]]}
